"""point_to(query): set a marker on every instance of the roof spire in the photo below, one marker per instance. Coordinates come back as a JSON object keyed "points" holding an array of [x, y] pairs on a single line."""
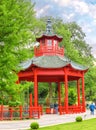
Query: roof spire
{"points": [[49, 27]]}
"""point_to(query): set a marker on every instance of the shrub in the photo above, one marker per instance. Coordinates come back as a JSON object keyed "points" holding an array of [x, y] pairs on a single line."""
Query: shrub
{"points": [[34, 125], [79, 119]]}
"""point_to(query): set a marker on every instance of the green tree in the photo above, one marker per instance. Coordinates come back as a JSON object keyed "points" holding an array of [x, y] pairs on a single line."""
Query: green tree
{"points": [[90, 84], [17, 20], [79, 43], [71, 97], [75, 46]]}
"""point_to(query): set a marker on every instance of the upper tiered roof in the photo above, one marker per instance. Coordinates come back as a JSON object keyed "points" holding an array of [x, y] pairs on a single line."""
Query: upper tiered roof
{"points": [[49, 42], [49, 54]]}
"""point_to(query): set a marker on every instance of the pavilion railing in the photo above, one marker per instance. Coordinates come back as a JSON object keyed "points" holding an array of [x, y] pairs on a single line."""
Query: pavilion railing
{"points": [[50, 50], [20, 112], [71, 109]]}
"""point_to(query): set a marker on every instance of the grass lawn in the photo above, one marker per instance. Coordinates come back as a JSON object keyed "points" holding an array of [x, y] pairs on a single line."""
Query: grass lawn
{"points": [[84, 125]]}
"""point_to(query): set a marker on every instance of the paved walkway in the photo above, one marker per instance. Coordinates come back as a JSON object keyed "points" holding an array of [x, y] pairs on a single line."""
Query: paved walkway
{"points": [[45, 120]]}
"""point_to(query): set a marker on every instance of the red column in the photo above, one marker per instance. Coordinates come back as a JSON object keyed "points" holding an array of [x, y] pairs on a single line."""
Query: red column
{"points": [[30, 99], [59, 99], [21, 109], [83, 93], [11, 113], [59, 94], [35, 89], [1, 112], [66, 91], [78, 92]]}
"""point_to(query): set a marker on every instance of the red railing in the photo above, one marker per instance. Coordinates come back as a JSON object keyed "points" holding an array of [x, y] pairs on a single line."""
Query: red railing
{"points": [[62, 110], [48, 50], [20, 112], [71, 109]]}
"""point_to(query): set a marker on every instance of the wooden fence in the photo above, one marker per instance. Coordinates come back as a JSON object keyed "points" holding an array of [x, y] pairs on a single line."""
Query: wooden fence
{"points": [[20, 112]]}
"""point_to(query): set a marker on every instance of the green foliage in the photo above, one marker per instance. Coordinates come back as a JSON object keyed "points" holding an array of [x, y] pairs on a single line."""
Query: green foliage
{"points": [[76, 48], [17, 21], [71, 97], [14, 103], [34, 125], [78, 119], [90, 84]]}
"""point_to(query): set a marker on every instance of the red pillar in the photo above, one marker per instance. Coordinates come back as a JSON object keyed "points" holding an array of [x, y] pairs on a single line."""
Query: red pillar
{"points": [[1, 111], [78, 92], [21, 109], [83, 93], [30, 99], [59, 94], [35, 89], [59, 99], [66, 91]]}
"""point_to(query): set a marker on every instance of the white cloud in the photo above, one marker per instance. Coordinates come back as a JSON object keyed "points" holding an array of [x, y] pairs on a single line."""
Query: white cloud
{"points": [[80, 6], [86, 27], [62, 2], [92, 11], [68, 17], [94, 50], [94, 22], [42, 11]]}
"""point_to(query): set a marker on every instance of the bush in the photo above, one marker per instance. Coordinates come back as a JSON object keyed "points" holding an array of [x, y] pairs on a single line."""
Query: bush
{"points": [[34, 125], [79, 119]]}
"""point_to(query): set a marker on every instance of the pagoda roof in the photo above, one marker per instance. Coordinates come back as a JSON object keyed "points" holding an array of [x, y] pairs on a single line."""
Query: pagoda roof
{"points": [[51, 62], [49, 33], [50, 36]]}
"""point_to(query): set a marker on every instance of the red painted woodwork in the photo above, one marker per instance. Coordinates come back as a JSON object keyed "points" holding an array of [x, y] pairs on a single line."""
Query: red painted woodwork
{"points": [[35, 89], [50, 72], [48, 50], [83, 92], [66, 91], [78, 92], [30, 97], [59, 94], [49, 46], [30, 112]]}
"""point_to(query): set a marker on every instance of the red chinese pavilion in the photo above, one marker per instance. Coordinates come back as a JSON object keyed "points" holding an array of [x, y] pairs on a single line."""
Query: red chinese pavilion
{"points": [[50, 65]]}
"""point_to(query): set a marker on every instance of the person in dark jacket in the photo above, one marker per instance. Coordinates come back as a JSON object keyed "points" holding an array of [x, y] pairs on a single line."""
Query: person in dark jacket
{"points": [[56, 108], [92, 108]]}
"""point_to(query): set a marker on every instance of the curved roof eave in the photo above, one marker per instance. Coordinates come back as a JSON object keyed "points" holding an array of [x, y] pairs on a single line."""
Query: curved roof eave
{"points": [[25, 65], [51, 62], [78, 66]]}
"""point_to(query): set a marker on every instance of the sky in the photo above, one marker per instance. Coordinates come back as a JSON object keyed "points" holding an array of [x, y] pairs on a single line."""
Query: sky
{"points": [[83, 12]]}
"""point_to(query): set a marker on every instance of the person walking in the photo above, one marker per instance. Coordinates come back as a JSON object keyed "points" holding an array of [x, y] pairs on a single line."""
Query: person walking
{"points": [[92, 108]]}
